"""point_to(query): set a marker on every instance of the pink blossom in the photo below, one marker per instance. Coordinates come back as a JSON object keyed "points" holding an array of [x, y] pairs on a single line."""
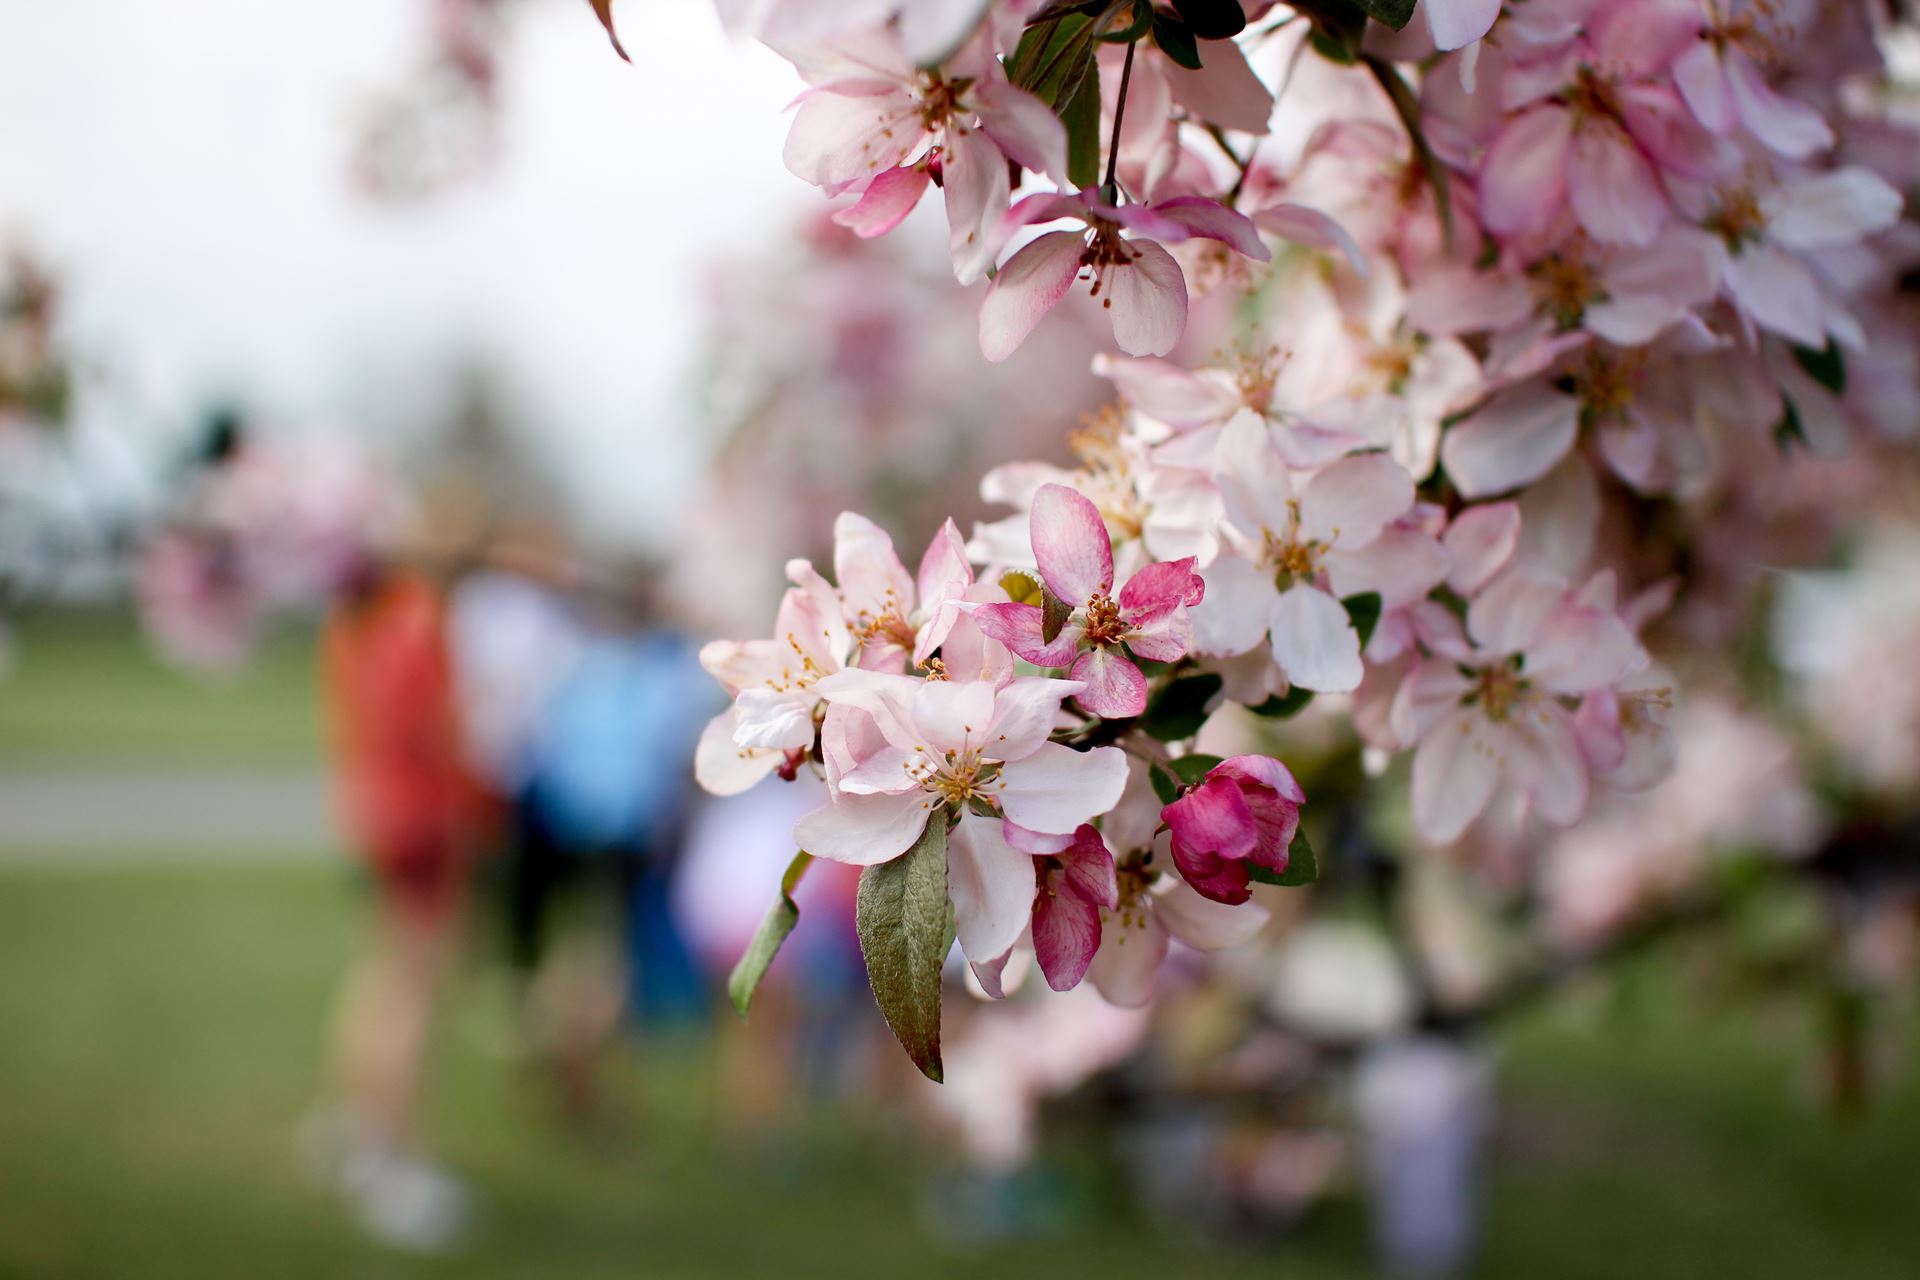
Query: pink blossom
{"points": [[1149, 616], [1297, 548], [1077, 887], [1455, 24], [1154, 909], [1491, 703], [1725, 88], [901, 752], [1121, 246], [1245, 811], [876, 120]]}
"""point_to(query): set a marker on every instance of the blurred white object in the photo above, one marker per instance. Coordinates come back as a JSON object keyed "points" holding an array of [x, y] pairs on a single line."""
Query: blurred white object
{"points": [[1424, 1106], [1340, 980]]}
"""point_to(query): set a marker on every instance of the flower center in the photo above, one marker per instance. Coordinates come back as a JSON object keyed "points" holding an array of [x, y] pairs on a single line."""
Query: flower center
{"points": [[1606, 385], [1255, 377], [1593, 97], [1738, 218], [1499, 690], [955, 778], [1135, 878], [1105, 627], [1105, 250], [1565, 285]]}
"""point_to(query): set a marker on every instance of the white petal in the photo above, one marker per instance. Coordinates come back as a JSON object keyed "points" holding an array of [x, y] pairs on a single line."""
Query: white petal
{"points": [[1057, 788], [1233, 617], [1314, 641], [863, 830], [1514, 438], [1455, 769], [991, 884]]}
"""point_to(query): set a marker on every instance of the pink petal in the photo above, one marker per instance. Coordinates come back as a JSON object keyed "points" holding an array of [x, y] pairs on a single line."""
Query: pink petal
{"points": [[864, 830], [977, 190], [1115, 687], [1314, 641], [1057, 788], [1205, 925], [1066, 935], [1024, 714], [1458, 23], [1148, 301], [1551, 769], [1217, 879], [1020, 628], [1212, 220], [1523, 179], [1160, 588], [944, 577], [1513, 439], [1303, 225], [1349, 502], [1275, 822], [952, 716], [1262, 771], [1070, 544], [1784, 124], [1614, 191], [888, 199], [1224, 91], [1024, 127], [1213, 818], [1702, 81], [1166, 391], [873, 582], [840, 136], [1031, 284], [1839, 207], [992, 886], [1779, 292], [1454, 774], [1480, 542]]}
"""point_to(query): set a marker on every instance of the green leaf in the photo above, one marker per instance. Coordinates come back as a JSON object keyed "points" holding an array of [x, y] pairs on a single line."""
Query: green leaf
{"points": [[1053, 57], [1180, 708], [1828, 367], [1363, 611], [1175, 39], [1302, 867], [1190, 769], [900, 914], [781, 917], [1021, 588], [1165, 784], [1394, 13], [1212, 19], [1054, 615], [1406, 105], [1081, 116], [1284, 706]]}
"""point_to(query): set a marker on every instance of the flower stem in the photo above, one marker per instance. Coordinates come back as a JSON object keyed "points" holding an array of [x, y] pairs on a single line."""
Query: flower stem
{"points": [[1111, 190]]}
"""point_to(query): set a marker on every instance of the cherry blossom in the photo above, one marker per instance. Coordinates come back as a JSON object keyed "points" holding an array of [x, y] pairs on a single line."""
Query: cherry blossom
{"points": [[1148, 617]]}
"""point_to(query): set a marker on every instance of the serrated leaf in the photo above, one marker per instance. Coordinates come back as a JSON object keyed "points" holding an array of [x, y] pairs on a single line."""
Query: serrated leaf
{"points": [[603, 10], [1302, 867], [1406, 105], [901, 916], [1021, 587], [1363, 611], [1180, 708], [1284, 706], [1176, 40], [1394, 13], [1828, 367], [1190, 769], [1054, 613], [1212, 19], [780, 919], [1165, 784], [1081, 116]]}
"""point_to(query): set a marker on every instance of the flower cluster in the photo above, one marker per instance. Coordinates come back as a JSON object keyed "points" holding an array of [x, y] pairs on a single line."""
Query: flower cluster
{"points": [[1514, 312]]}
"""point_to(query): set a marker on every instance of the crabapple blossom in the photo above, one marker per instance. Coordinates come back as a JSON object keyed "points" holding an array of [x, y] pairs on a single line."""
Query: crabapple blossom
{"points": [[1244, 812], [1296, 549], [1148, 617], [911, 751], [1121, 247]]}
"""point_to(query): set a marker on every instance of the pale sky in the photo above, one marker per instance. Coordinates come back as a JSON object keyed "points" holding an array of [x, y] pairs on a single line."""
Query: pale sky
{"points": [[183, 165]]}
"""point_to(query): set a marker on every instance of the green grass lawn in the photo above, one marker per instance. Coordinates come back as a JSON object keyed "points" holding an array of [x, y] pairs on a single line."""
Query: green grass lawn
{"points": [[161, 1026], [86, 690]]}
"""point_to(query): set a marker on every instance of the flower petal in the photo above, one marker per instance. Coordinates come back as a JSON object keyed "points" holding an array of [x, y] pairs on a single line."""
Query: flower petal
{"points": [[1071, 545], [1148, 301], [1115, 688], [1454, 773], [1515, 438], [864, 830], [991, 884], [886, 202], [1030, 284], [1057, 788], [1314, 641]]}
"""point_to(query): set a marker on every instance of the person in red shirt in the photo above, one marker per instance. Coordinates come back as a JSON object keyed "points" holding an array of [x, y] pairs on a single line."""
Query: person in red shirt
{"points": [[416, 816]]}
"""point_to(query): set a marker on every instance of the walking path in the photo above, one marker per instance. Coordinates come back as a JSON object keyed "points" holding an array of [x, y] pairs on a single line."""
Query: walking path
{"points": [[186, 812]]}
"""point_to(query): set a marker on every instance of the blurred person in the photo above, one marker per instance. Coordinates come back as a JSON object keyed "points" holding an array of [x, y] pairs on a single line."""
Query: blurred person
{"points": [[413, 813], [609, 755]]}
